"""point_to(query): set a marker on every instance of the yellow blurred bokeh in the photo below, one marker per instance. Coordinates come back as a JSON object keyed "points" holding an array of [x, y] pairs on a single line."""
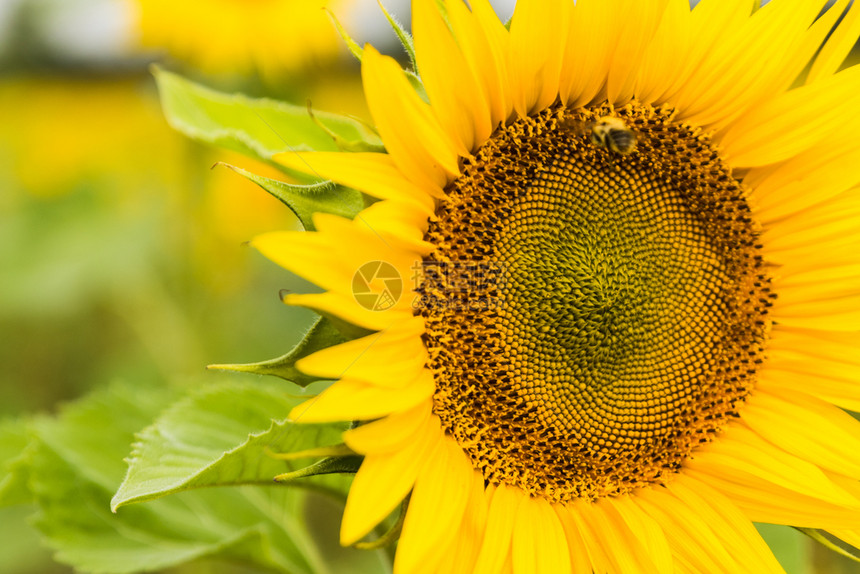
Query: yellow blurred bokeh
{"points": [[273, 38]]}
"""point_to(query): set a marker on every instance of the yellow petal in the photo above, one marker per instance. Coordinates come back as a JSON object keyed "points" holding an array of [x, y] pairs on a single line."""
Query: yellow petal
{"points": [[763, 501], [350, 399], [818, 347], [539, 543], [806, 427], [838, 46], [470, 535], [793, 122], [390, 358], [590, 43], [419, 146], [802, 376], [636, 30], [688, 41], [823, 363], [383, 481], [436, 509], [610, 530], [830, 224], [828, 275], [396, 222], [391, 433], [580, 561], [579, 529], [746, 64], [692, 539], [539, 29], [483, 40], [852, 537], [645, 529], [808, 179], [849, 535], [299, 251], [348, 246], [458, 99], [496, 546], [347, 308], [742, 456], [375, 174], [357, 242], [735, 530], [770, 485], [833, 275], [811, 44], [840, 313], [666, 54]]}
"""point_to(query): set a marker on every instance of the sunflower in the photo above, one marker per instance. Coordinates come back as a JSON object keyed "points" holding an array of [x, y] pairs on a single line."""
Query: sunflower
{"points": [[627, 233]]}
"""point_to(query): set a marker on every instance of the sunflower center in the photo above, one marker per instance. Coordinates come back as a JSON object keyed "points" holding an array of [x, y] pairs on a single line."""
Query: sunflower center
{"points": [[592, 316]]}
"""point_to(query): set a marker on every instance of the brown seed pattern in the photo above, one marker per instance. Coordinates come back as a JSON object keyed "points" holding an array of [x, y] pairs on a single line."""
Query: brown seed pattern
{"points": [[626, 316]]}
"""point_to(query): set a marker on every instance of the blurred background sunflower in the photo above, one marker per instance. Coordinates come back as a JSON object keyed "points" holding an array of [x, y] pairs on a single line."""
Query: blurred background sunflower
{"points": [[120, 251]]}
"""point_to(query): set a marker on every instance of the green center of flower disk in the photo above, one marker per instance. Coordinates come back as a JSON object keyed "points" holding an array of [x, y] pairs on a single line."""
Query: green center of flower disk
{"points": [[591, 317]]}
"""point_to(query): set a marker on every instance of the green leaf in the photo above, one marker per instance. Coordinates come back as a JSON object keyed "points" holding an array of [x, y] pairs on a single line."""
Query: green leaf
{"points": [[224, 436], [78, 464], [305, 200], [256, 127], [76, 519], [15, 455], [321, 335]]}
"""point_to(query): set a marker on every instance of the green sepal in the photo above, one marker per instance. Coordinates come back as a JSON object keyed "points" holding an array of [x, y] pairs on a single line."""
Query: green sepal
{"points": [[348, 464], [417, 84], [351, 44], [819, 537], [405, 39], [402, 35], [257, 127], [321, 335], [443, 11], [391, 535], [305, 200], [348, 330]]}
